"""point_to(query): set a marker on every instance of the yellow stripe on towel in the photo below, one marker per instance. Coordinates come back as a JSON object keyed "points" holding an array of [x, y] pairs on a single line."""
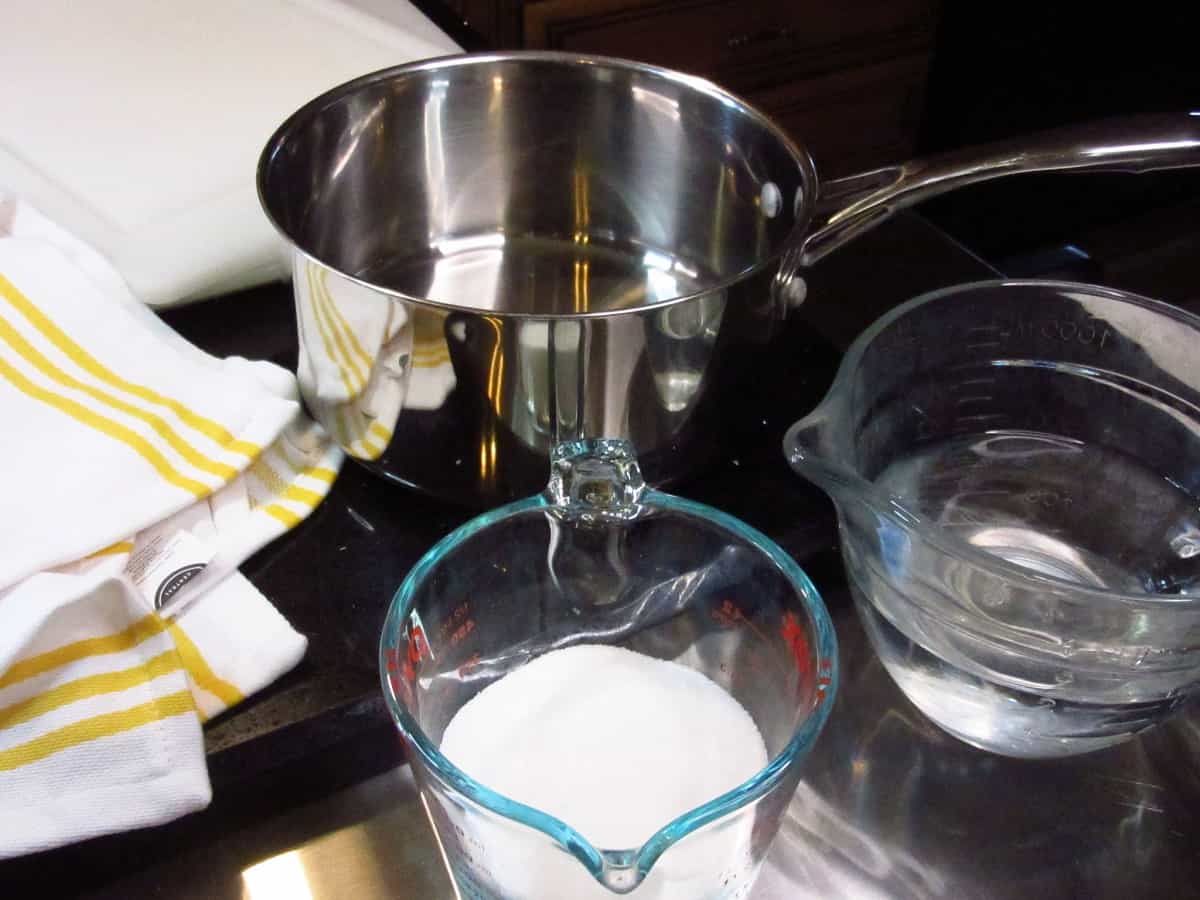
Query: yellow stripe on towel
{"points": [[370, 450], [282, 514], [94, 367], [278, 486], [143, 628], [160, 426], [320, 474], [104, 425], [89, 686], [301, 495], [112, 550], [204, 677], [96, 727]]}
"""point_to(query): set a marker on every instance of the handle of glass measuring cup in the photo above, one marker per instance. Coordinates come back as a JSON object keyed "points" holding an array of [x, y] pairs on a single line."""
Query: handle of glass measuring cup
{"points": [[595, 480], [850, 206]]}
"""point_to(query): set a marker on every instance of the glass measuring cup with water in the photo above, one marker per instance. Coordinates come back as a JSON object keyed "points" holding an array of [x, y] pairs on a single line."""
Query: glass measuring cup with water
{"points": [[1016, 467], [599, 558]]}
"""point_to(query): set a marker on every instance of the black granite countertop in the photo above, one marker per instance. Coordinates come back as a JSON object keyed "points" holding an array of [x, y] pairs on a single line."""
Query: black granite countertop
{"points": [[323, 726]]}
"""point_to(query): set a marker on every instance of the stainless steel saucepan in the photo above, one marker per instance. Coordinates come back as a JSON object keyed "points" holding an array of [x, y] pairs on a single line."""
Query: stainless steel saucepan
{"points": [[495, 253]]}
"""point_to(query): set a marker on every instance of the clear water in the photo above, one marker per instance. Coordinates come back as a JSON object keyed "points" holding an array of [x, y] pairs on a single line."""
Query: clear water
{"points": [[529, 274], [1054, 506], [1058, 507], [996, 717]]}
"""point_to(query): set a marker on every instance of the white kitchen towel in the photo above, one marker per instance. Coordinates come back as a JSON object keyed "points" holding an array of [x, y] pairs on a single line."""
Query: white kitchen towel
{"points": [[139, 472], [98, 729]]}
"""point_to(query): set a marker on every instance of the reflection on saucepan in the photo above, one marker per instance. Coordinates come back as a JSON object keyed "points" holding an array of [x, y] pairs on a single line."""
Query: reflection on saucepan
{"points": [[679, 345], [548, 356], [362, 361]]}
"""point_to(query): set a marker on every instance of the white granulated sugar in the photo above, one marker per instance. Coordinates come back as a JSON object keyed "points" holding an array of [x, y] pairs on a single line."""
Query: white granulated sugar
{"points": [[615, 744]]}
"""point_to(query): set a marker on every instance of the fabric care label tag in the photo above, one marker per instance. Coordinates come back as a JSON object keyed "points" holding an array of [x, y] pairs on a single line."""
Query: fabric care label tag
{"points": [[163, 565]]}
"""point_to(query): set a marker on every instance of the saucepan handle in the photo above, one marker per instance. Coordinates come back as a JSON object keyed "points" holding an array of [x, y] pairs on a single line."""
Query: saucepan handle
{"points": [[846, 207]]}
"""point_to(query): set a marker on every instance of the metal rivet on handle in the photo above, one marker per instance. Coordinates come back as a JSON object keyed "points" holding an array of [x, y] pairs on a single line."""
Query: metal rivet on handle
{"points": [[770, 200]]}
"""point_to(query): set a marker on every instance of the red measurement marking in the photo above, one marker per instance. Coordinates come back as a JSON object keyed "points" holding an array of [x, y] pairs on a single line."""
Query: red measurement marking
{"points": [[793, 636], [395, 668], [416, 648], [401, 673], [825, 674], [456, 637], [729, 614], [418, 644], [454, 619]]}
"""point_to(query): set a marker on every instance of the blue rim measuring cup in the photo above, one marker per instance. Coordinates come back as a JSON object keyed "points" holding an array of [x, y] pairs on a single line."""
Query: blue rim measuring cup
{"points": [[600, 558]]}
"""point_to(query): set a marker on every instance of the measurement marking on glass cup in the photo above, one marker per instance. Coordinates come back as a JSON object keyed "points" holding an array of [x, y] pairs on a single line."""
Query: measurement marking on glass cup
{"points": [[980, 417], [458, 625], [1133, 781], [730, 615], [460, 633], [1092, 331], [456, 616], [975, 332], [1140, 807]]}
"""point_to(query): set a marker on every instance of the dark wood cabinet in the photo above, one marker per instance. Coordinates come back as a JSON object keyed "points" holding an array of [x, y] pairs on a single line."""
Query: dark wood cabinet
{"points": [[847, 79]]}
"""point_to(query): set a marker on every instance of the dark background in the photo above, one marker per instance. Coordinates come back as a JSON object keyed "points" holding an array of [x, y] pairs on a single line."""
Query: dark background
{"points": [[1019, 67]]}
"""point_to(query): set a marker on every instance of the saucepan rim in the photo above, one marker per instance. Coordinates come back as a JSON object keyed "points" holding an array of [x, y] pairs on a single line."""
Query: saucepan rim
{"points": [[297, 120]]}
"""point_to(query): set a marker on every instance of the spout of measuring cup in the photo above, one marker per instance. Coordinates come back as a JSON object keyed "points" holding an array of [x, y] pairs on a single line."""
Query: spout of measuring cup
{"points": [[873, 523], [813, 449], [620, 872]]}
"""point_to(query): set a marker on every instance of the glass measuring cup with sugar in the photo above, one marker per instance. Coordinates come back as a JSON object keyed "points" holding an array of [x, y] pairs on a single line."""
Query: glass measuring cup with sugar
{"points": [[600, 559]]}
